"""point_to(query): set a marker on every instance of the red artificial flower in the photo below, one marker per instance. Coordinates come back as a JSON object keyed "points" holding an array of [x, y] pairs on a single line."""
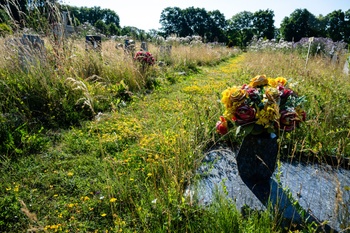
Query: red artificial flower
{"points": [[244, 114], [221, 126], [289, 120]]}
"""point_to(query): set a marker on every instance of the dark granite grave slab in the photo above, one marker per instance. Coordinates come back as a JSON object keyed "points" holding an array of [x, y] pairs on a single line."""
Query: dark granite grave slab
{"points": [[321, 191]]}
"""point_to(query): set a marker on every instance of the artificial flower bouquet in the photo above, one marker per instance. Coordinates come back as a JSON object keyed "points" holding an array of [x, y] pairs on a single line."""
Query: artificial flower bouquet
{"points": [[263, 105], [144, 57]]}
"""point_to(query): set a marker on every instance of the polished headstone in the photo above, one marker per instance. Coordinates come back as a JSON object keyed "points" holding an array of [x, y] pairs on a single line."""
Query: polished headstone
{"points": [[320, 192]]}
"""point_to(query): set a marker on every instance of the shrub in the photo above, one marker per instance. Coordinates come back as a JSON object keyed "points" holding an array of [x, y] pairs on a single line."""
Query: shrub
{"points": [[5, 29]]}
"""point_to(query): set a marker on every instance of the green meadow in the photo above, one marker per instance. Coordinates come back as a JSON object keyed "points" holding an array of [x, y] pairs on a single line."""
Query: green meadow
{"points": [[96, 142]]}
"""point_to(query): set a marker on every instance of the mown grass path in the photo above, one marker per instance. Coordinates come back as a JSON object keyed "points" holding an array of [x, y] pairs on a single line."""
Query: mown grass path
{"points": [[109, 173]]}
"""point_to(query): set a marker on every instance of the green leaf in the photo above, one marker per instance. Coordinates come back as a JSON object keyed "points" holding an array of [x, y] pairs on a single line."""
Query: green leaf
{"points": [[248, 129]]}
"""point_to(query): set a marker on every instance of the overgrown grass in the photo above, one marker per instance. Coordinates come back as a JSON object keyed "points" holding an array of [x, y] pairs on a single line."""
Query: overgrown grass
{"points": [[68, 85], [126, 168]]}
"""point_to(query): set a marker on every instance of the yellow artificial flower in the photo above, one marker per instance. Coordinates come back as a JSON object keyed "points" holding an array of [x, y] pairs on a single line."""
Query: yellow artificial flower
{"points": [[281, 80], [259, 80], [226, 95], [272, 95], [272, 82], [238, 96], [267, 115]]}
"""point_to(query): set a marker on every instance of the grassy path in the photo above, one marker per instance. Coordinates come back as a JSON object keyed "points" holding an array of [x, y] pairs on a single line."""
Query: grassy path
{"points": [[124, 171]]}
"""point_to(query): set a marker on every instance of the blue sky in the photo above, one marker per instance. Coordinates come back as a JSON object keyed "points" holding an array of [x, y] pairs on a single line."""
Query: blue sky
{"points": [[145, 14]]}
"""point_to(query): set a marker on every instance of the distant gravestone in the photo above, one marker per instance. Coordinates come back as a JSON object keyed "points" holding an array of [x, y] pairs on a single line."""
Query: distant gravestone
{"points": [[165, 51], [129, 46], [68, 29], [335, 59], [93, 43], [61, 29], [31, 51], [144, 46]]}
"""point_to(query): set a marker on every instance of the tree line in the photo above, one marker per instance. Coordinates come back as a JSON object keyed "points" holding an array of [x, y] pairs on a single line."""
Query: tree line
{"points": [[210, 25], [242, 27]]}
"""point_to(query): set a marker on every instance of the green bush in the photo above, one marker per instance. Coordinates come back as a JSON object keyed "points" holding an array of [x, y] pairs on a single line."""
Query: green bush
{"points": [[11, 217], [5, 29]]}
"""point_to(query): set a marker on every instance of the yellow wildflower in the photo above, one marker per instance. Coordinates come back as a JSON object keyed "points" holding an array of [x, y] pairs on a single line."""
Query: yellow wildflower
{"points": [[85, 198], [113, 199], [70, 174]]}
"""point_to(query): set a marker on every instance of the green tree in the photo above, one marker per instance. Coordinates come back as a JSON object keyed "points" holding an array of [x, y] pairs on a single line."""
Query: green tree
{"points": [[113, 29], [198, 21], [193, 21], [347, 26], [100, 25], [301, 23], [263, 24], [336, 25], [321, 25], [217, 27], [152, 33], [173, 21], [92, 14], [240, 29], [134, 32], [110, 16]]}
